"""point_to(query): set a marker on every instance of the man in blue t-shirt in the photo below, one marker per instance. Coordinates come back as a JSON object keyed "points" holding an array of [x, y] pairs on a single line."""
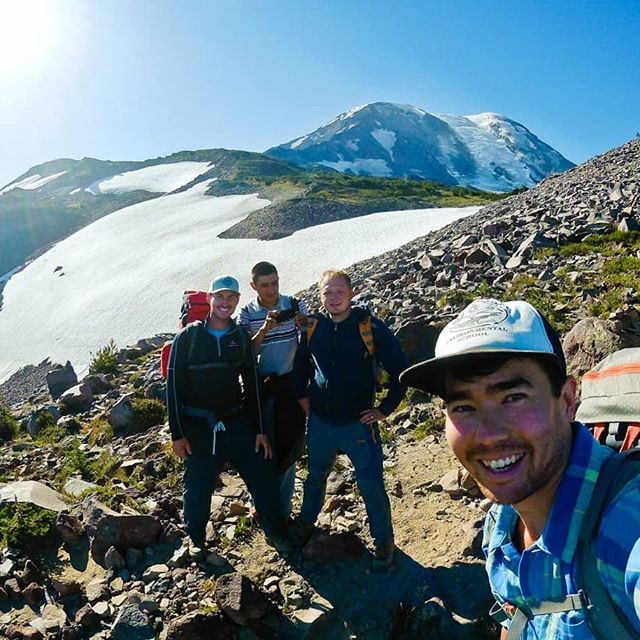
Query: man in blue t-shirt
{"points": [[214, 419], [509, 419]]}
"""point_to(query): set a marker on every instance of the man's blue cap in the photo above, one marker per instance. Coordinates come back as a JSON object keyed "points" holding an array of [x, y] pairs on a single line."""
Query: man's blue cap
{"points": [[224, 283]]}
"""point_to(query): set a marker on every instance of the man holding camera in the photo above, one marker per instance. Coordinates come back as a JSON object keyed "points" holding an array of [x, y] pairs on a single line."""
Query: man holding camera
{"points": [[272, 320]]}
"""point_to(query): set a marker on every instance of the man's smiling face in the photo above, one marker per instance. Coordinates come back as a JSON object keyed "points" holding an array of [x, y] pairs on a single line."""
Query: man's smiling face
{"points": [[222, 304], [510, 432]]}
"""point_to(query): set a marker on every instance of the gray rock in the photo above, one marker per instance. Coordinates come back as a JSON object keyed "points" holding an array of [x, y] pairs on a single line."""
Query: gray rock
{"points": [[60, 379], [76, 399], [198, 626], [121, 415], [107, 528], [32, 492], [69, 527], [132, 624], [48, 414], [238, 597]]}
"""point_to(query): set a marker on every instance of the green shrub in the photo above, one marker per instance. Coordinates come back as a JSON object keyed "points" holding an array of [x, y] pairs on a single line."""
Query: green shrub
{"points": [[245, 527], [76, 460], [386, 434], [8, 424], [147, 412], [100, 431], [20, 522], [106, 359], [428, 427], [48, 432]]}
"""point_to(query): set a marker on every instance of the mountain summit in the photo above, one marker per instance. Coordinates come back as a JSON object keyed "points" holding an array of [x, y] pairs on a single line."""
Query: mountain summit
{"points": [[486, 151]]}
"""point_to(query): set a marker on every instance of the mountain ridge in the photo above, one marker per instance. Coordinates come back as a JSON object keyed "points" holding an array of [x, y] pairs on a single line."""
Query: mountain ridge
{"points": [[61, 196], [488, 151]]}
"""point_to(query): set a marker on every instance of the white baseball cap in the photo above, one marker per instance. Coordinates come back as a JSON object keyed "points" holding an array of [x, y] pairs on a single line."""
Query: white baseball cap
{"points": [[487, 326]]}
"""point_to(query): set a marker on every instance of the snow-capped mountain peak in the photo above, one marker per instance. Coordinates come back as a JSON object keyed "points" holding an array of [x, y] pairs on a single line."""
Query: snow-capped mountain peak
{"points": [[486, 150]]}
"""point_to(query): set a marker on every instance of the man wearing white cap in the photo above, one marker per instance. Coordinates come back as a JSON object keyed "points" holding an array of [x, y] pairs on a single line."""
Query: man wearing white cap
{"points": [[214, 420], [509, 419]]}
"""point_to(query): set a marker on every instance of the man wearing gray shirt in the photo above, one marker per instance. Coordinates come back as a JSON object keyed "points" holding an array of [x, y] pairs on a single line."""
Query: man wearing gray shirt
{"points": [[272, 320]]}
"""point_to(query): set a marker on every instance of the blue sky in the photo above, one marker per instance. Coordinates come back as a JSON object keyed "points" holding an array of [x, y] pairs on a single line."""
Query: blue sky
{"points": [[136, 79]]}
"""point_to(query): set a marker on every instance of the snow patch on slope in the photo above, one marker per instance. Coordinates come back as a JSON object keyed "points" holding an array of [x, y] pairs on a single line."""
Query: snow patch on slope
{"points": [[32, 182], [367, 166], [386, 139], [131, 267], [160, 178]]}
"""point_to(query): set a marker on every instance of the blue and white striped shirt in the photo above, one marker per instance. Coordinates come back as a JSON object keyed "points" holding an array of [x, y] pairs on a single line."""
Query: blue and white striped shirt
{"points": [[278, 347]]}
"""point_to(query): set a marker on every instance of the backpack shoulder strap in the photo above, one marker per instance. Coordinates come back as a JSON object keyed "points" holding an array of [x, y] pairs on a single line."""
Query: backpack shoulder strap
{"points": [[603, 615], [190, 331], [312, 323], [244, 339], [366, 333]]}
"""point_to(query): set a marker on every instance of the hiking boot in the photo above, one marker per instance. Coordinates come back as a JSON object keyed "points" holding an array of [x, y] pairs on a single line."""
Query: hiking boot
{"points": [[197, 550], [300, 532], [281, 544], [383, 556]]}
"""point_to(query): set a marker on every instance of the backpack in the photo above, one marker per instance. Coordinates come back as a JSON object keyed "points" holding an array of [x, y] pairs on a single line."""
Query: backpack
{"points": [[365, 329], [610, 404], [195, 306]]}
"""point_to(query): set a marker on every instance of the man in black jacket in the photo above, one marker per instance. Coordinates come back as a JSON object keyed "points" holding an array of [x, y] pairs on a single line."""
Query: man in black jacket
{"points": [[213, 420], [335, 382]]}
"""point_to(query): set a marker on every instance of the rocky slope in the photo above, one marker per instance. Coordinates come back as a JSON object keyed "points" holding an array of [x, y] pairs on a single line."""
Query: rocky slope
{"points": [[566, 245]]}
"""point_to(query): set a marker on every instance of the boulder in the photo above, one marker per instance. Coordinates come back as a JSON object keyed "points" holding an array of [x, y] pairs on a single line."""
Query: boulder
{"points": [[198, 626], [240, 599], [418, 339], [76, 399], [43, 416], [121, 416], [107, 528], [588, 342], [131, 624], [60, 379], [33, 492]]}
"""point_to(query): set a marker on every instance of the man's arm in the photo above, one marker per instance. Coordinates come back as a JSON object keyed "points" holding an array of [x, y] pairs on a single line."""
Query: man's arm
{"points": [[390, 354], [175, 392], [249, 375], [301, 372], [269, 323]]}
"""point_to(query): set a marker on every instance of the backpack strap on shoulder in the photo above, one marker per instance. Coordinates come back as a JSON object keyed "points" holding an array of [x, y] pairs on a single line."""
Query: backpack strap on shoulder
{"points": [[312, 323], [366, 333], [605, 619]]}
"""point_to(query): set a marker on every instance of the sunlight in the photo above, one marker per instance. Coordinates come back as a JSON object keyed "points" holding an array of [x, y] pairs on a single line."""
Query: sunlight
{"points": [[27, 29]]}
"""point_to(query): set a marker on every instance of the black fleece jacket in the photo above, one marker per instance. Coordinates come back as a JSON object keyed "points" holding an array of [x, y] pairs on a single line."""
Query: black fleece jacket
{"points": [[336, 372], [205, 374]]}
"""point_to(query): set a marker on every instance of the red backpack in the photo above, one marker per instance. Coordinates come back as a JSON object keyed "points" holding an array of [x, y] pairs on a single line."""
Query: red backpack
{"points": [[195, 306]]}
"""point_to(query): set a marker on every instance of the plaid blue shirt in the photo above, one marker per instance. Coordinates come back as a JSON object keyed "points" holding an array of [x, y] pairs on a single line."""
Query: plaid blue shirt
{"points": [[547, 570]]}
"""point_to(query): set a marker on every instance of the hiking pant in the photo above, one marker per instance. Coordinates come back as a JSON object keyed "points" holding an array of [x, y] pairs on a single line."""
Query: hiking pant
{"points": [[285, 423], [201, 469], [362, 445]]}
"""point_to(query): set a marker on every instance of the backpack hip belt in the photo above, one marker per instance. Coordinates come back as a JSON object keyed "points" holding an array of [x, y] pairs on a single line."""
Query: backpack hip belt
{"points": [[213, 417]]}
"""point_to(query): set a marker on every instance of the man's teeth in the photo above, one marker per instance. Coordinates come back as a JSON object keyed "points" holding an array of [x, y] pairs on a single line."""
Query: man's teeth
{"points": [[502, 463]]}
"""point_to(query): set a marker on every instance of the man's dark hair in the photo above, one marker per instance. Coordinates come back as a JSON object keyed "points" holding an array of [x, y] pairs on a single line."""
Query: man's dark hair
{"points": [[262, 269], [483, 364]]}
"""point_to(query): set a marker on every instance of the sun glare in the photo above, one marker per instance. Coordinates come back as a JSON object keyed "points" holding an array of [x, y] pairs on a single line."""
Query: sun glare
{"points": [[27, 30]]}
